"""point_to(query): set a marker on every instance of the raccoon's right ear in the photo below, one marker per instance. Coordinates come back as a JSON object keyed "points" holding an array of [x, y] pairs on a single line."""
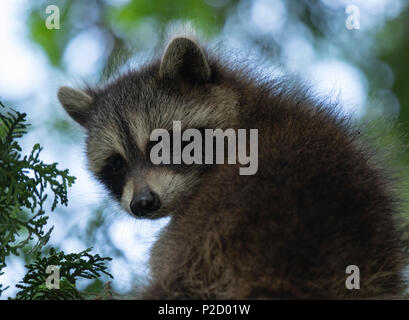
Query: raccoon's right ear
{"points": [[184, 59], [76, 102]]}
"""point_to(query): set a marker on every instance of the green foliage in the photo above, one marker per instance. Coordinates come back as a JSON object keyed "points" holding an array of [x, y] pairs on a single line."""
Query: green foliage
{"points": [[72, 266], [120, 22], [206, 17], [24, 183], [53, 41], [394, 44]]}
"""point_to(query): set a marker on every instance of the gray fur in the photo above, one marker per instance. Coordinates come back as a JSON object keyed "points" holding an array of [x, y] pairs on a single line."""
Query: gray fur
{"points": [[183, 57], [75, 102]]}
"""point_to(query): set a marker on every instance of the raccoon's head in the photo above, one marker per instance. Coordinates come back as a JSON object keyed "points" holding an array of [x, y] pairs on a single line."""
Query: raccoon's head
{"points": [[184, 85]]}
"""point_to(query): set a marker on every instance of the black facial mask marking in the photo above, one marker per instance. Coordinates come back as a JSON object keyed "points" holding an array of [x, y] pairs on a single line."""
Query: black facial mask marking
{"points": [[113, 175]]}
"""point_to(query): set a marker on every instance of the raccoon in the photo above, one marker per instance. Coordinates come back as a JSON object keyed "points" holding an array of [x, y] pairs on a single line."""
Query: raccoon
{"points": [[319, 202]]}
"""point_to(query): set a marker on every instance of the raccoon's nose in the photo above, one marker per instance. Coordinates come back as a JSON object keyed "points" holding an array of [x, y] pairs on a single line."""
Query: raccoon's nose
{"points": [[144, 203]]}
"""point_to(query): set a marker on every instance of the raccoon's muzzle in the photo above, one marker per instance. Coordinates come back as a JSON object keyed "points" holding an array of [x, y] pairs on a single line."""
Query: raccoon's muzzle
{"points": [[144, 203]]}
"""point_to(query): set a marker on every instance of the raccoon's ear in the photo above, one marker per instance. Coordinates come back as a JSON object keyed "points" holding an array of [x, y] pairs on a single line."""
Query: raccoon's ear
{"points": [[184, 59], [76, 102]]}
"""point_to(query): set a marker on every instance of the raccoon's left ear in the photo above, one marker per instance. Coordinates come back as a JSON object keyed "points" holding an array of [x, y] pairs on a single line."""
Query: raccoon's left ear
{"points": [[184, 59], [76, 102]]}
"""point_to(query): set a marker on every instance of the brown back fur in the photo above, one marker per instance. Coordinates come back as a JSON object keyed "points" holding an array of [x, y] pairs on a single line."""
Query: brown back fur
{"points": [[318, 203]]}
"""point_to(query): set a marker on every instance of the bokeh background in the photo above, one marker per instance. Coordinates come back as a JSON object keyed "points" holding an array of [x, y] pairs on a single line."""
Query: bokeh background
{"points": [[365, 69]]}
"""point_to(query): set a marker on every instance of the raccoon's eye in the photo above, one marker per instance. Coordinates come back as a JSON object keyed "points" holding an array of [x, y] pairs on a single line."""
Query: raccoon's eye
{"points": [[116, 163]]}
